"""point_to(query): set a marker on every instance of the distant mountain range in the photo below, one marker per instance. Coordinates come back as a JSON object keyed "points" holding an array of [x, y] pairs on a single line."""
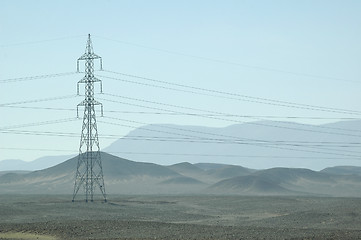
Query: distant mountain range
{"points": [[257, 145], [128, 177], [38, 164]]}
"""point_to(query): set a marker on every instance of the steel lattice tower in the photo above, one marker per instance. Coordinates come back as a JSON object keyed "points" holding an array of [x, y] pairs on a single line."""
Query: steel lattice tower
{"points": [[89, 172]]}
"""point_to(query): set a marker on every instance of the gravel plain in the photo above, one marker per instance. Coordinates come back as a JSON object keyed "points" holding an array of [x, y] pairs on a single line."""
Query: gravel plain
{"points": [[179, 217]]}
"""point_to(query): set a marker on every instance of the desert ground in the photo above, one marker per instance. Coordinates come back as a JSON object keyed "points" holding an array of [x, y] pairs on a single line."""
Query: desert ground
{"points": [[179, 217]]}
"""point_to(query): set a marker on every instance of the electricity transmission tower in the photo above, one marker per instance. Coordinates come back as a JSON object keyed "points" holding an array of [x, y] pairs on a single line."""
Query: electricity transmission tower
{"points": [[89, 172]]}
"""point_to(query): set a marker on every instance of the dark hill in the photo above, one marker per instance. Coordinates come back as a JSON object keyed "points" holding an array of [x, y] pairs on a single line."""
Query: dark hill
{"points": [[16, 171], [11, 177], [229, 171], [209, 172], [285, 175], [192, 171], [181, 180], [289, 181], [248, 185], [128, 177], [115, 167], [186, 168], [60, 178], [210, 166]]}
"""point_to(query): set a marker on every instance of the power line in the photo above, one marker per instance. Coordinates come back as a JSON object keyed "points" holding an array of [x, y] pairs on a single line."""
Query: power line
{"points": [[210, 114], [40, 41], [232, 96], [212, 117], [31, 78], [39, 108], [255, 142], [236, 140], [189, 139], [232, 115], [193, 114], [222, 114], [36, 149], [230, 62], [185, 154], [65, 120], [239, 121], [40, 133], [38, 100], [35, 124], [320, 126], [227, 155]]}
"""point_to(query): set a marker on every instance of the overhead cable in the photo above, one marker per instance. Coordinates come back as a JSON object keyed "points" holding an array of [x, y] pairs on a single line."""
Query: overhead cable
{"points": [[233, 96], [31, 78], [262, 68], [210, 117], [40, 41], [38, 100], [256, 142]]}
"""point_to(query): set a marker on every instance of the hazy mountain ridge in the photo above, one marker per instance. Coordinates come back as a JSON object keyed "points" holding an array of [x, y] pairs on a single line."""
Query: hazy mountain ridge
{"points": [[128, 177], [250, 155], [189, 146], [343, 170], [221, 175], [249, 185], [290, 181], [37, 164], [14, 171]]}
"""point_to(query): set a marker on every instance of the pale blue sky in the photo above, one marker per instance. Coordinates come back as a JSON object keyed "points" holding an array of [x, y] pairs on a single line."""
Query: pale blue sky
{"points": [[320, 38]]}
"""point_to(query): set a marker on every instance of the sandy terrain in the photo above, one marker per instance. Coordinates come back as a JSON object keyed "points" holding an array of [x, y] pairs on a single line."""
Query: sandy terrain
{"points": [[179, 217]]}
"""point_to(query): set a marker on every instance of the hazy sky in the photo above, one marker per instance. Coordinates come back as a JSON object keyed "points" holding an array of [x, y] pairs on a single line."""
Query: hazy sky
{"points": [[305, 52]]}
